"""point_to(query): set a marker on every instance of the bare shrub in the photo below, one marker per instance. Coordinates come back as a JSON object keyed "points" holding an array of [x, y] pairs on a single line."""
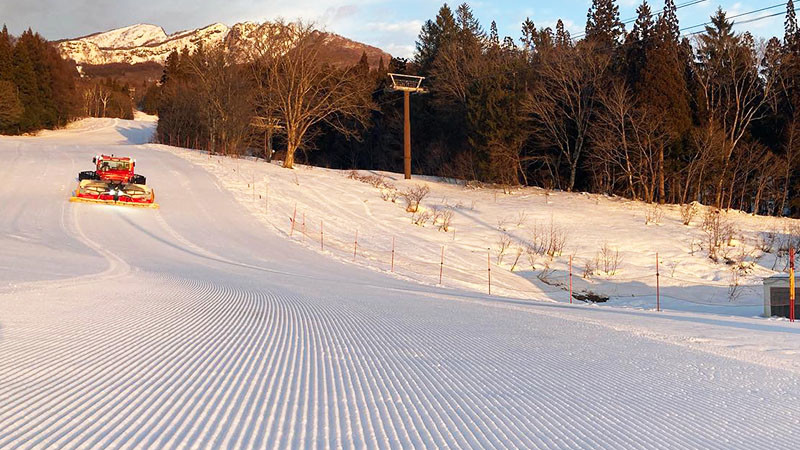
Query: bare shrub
{"points": [[545, 273], [741, 263], [502, 224], [420, 218], [548, 240], [607, 260], [589, 268], [503, 243], [743, 260], [673, 266], [767, 241], [694, 246], [719, 233], [389, 194], [376, 181], [442, 218], [688, 211], [533, 255], [653, 214], [522, 217], [734, 288], [519, 252], [791, 238], [414, 197], [446, 221]]}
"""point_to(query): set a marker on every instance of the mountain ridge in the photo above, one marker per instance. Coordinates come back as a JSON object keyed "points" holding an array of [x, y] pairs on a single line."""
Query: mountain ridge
{"points": [[143, 42]]}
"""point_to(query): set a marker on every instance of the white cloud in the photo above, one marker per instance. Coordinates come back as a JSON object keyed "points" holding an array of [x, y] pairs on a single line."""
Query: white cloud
{"points": [[398, 50], [410, 27]]}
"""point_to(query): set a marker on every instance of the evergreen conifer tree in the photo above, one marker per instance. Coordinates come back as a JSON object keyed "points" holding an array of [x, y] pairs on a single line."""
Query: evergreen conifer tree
{"points": [[603, 26]]}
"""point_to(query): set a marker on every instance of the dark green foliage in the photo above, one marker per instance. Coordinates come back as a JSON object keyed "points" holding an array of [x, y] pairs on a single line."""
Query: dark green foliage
{"points": [[150, 99], [38, 80], [603, 26], [435, 34]]}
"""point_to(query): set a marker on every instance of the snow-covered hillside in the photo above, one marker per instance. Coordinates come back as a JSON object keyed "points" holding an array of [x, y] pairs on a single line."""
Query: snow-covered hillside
{"points": [[126, 37], [149, 43], [115, 46], [208, 323], [612, 241]]}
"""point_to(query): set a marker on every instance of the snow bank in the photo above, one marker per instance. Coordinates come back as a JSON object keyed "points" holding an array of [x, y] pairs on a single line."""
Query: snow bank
{"points": [[612, 241]]}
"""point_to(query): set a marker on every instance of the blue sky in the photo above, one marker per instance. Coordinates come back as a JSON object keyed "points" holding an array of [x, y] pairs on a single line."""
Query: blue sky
{"points": [[390, 25]]}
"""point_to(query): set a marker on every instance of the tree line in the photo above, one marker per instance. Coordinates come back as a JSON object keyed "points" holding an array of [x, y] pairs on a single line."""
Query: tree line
{"points": [[646, 113], [207, 99], [39, 89], [37, 86]]}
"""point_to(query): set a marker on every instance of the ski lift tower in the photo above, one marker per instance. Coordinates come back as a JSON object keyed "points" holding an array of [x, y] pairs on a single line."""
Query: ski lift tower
{"points": [[408, 84]]}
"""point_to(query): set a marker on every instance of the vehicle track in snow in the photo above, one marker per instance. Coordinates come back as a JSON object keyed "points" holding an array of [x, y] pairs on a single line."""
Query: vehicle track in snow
{"points": [[207, 331]]}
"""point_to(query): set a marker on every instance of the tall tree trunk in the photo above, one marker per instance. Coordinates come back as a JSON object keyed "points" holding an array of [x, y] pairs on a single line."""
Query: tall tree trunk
{"points": [[573, 168], [291, 147]]}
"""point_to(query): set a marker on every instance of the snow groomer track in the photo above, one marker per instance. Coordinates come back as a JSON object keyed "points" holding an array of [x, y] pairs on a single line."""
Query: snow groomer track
{"points": [[194, 326]]}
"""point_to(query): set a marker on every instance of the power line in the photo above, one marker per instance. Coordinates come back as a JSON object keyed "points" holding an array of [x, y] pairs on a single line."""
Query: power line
{"points": [[760, 18], [654, 13], [677, 7], [741, 15], [683, 5], [755, 19]]}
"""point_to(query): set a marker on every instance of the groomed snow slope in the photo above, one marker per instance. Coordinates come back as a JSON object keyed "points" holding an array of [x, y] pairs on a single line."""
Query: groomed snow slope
{"points": [[196, 325]]}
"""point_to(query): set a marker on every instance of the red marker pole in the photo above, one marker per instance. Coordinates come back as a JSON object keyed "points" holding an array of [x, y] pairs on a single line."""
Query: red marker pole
{"points": [[392, 253], [658, 286], [489, 268], [570, 279], [294, 216], [355, 246], [791, 284], [441, 266]]}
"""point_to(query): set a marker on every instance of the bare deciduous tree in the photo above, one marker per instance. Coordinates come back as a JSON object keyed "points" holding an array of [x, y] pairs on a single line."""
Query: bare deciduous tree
{"points": [[562, 104], [104, 95], [223, 89], [734, 90], [630, 137], [295, 87]]}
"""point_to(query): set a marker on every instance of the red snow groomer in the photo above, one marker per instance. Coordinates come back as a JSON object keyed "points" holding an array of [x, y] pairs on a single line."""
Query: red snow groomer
{"points": [[114, 182]]}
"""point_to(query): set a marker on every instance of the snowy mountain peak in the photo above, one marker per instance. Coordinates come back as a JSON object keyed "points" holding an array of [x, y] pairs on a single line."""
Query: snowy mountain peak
{"points": [[145, 43], [126, 37]]}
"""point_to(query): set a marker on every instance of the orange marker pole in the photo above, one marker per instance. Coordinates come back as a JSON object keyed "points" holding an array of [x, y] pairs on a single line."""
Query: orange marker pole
{"points": [[489, 268], [294, 216], [570, 279], [791, 284], [441, 266], [658, 286]]}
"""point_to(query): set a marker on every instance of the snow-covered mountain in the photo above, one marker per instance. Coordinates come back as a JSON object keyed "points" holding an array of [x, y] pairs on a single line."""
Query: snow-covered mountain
{"points": [[144, 42], [130, 36]]}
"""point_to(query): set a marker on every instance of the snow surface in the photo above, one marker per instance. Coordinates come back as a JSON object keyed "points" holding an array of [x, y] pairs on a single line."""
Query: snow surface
{"points": [[130, 36], [204, 324], [138, 44]]}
